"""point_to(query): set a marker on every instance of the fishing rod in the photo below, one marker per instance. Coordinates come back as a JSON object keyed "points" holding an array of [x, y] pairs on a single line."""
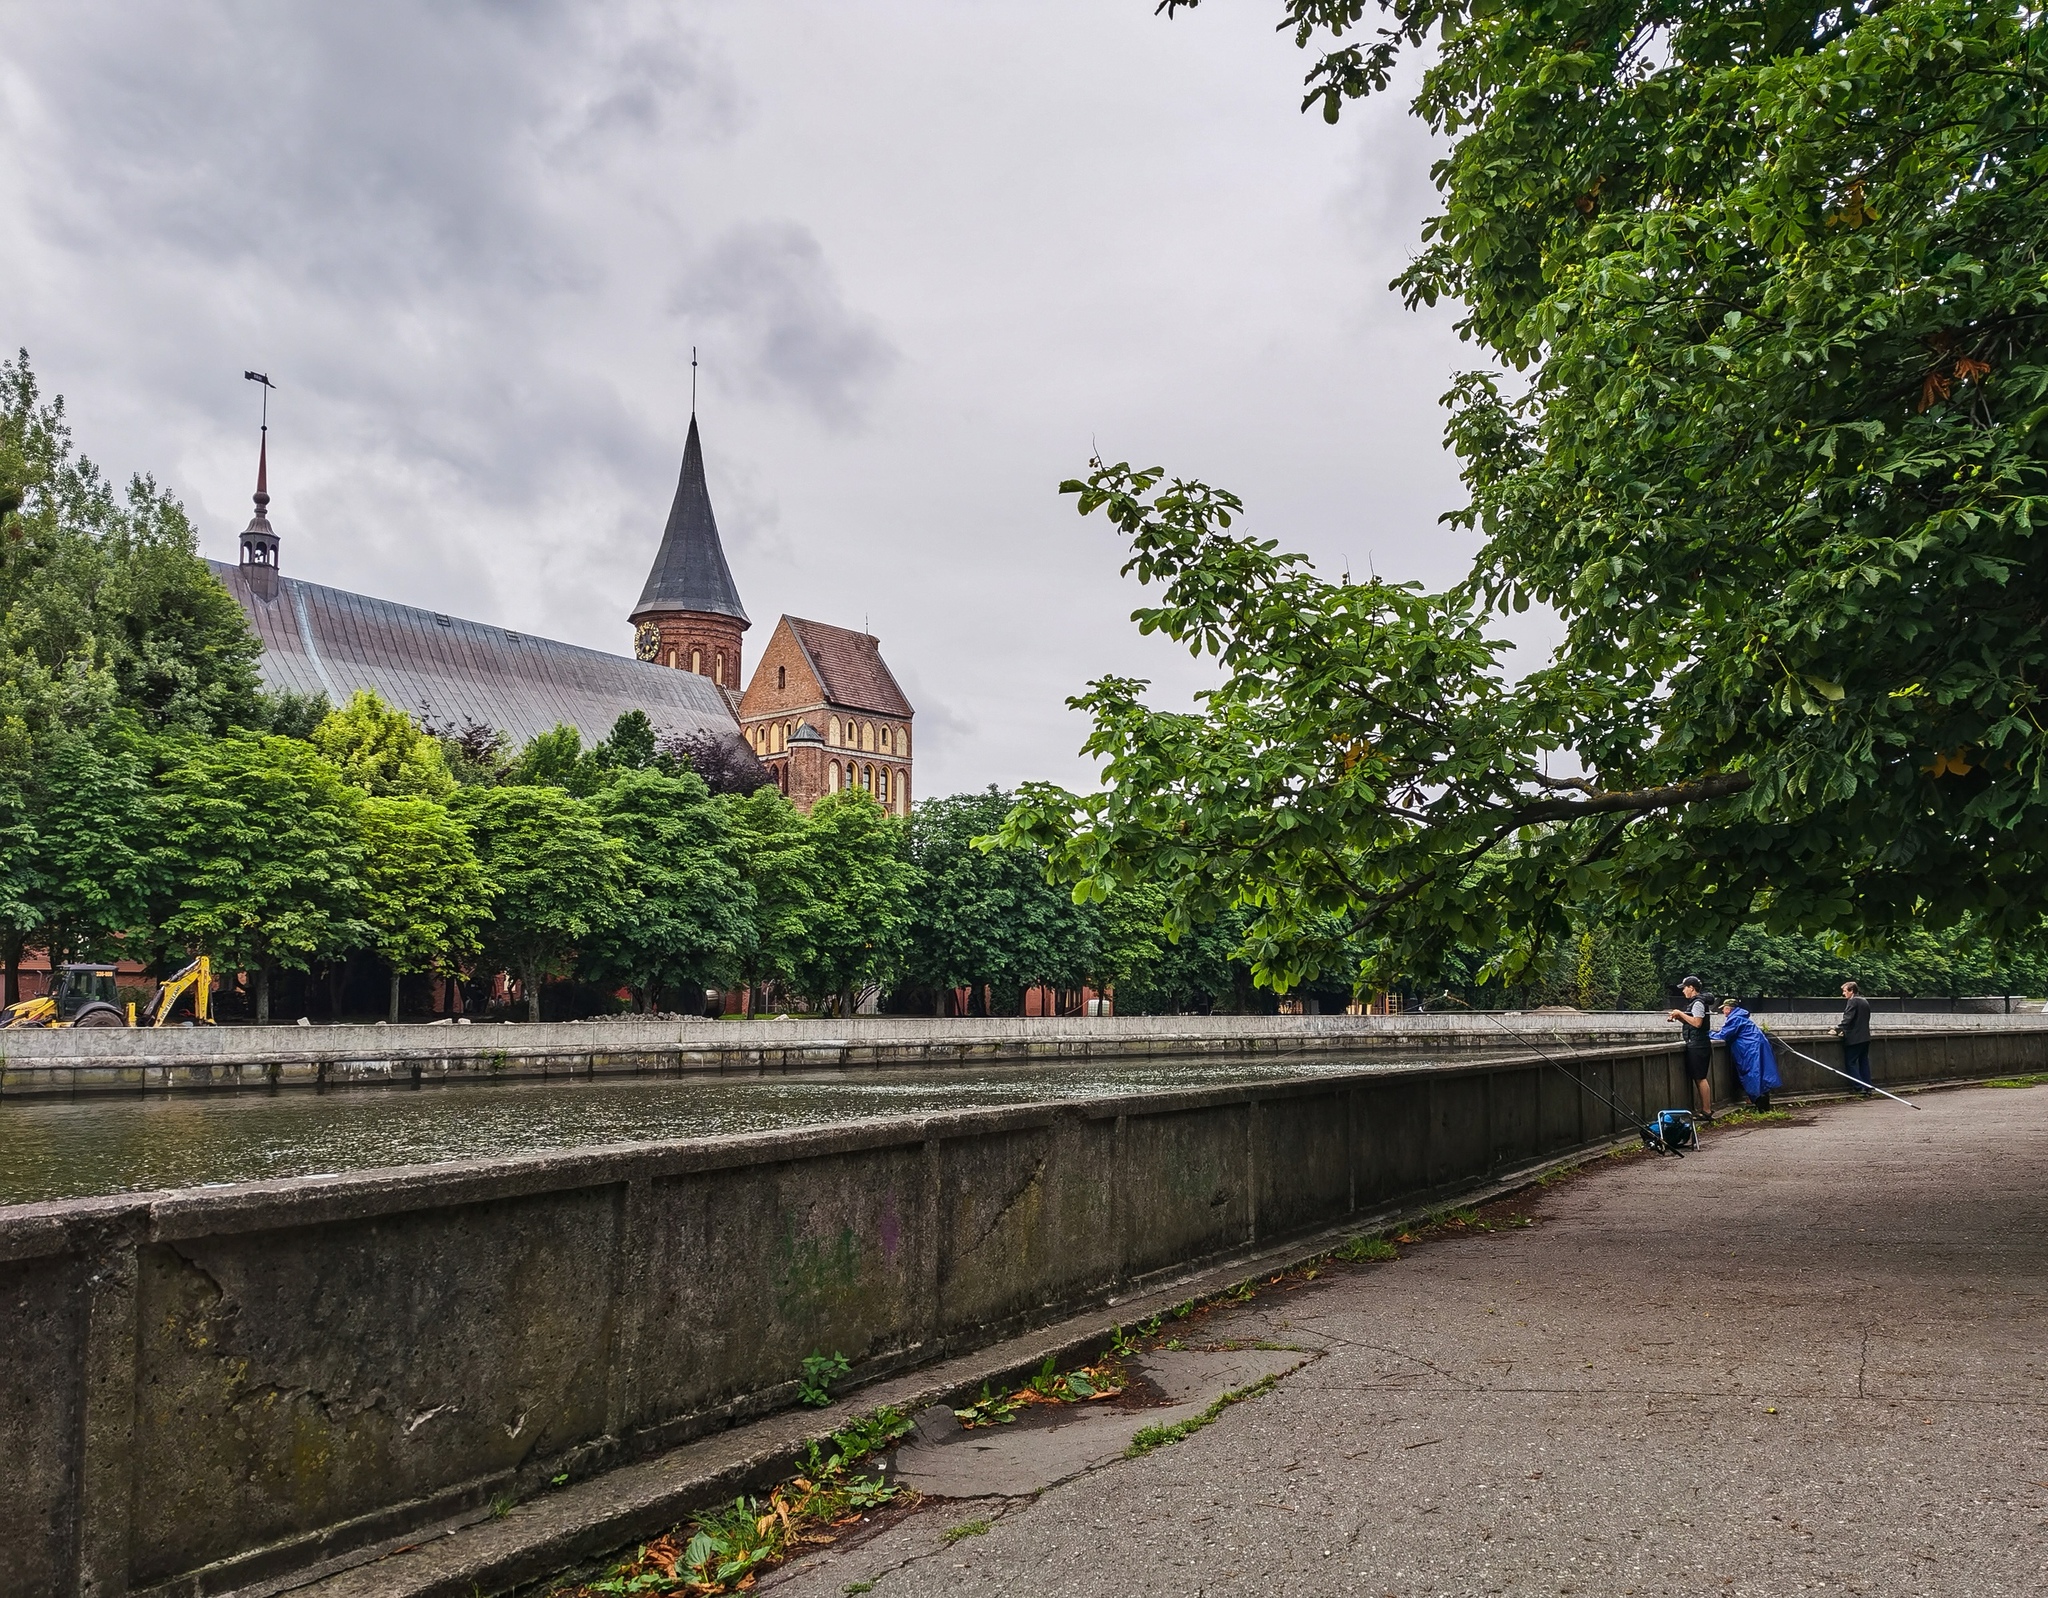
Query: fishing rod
{"points": [[1652, 1132], [1867, 1087]]}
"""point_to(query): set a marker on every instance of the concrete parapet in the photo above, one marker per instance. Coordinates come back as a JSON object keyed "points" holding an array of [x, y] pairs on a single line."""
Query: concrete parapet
{"points": [[204, 1059], [218, 1386]]}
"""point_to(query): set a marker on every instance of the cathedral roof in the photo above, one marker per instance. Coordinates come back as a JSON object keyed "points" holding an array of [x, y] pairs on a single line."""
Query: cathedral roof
{"points": [[850, 668], [689, 571], [326, 640]]}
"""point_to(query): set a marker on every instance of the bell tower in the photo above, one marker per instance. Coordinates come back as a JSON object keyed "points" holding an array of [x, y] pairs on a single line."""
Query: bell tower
{"points": [[259, 543]]}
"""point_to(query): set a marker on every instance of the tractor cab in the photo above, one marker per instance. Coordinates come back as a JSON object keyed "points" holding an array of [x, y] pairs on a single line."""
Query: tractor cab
{"points": [[82, 987], [81, 995]]}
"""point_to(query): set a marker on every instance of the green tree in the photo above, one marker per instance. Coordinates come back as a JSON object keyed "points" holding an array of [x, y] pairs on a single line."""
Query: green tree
{"points": [[424, 894], [1771, 277], [383, 751], [558, 878], [104, 600], [862, 908], [774, 852], [988, 918], [91, 810], [20, 879], [260, 855], [686, 903], [554, 759]]}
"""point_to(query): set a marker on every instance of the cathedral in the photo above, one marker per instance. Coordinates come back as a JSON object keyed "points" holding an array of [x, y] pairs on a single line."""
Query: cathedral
{"points": [[823, 712]]}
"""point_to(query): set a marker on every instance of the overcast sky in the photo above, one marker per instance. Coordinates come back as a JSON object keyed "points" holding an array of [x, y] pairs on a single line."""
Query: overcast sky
{"points": [[931, 253]]}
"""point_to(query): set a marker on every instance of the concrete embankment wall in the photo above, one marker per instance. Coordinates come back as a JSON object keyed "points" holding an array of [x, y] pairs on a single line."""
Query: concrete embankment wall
{"points": [[210, 1387], [65, 1062]]}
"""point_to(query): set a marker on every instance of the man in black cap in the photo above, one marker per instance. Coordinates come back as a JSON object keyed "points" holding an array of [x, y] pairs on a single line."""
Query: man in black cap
{"points": [[1699, 1043]]}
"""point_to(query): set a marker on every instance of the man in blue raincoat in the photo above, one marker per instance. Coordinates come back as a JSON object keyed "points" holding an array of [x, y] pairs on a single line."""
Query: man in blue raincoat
{"points": [[1756, 1067]]}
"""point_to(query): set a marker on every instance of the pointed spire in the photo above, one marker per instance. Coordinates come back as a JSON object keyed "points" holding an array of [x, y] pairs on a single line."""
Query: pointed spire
{"points": [[689, 571], [259, 543]]}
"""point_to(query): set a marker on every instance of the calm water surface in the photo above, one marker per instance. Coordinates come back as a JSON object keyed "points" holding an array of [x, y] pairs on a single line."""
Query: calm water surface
{"points": [[67, 1148]]}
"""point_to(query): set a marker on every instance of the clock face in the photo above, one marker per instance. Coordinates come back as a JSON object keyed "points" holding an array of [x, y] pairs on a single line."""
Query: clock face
{"points": [[647, 641]]}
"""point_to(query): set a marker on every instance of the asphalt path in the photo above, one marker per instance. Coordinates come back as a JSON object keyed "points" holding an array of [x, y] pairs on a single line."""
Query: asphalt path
{"points": [[1811, 1357]]}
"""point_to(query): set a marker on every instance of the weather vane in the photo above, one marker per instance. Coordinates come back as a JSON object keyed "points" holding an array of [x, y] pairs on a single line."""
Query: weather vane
{"points": [[259, 377], [693, 380]]}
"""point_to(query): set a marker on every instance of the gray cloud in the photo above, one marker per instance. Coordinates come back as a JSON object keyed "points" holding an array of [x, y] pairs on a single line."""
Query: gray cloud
{"points": [[474, 242], [766, 293]]}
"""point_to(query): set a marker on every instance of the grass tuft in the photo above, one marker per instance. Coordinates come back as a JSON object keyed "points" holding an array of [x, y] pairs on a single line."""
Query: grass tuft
{"points": [[1152, 1437], [2032, 1080], [971, 1528], [1749, 1117]]}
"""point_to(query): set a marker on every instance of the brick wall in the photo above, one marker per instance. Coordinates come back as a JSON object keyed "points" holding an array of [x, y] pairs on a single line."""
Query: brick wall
{"points": [[698, 641]]}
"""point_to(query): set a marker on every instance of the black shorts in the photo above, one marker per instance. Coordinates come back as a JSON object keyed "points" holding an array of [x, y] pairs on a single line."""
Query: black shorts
{"points": [[1698, 1065]]}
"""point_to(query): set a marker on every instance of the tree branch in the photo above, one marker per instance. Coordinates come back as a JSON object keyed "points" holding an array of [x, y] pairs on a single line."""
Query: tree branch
{"points": [[1720, 785]]}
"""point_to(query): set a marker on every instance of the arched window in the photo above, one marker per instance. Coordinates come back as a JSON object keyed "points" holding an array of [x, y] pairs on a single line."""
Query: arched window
{"points": [[882, 739], [882, 786], [786, 731], [832, 732], [697, 661], [903, 740], [781, 677], [718, 668], [835, 777], [671, 660]]}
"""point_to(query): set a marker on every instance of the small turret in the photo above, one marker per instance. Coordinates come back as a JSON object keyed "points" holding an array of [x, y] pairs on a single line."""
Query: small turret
{"points": [[259, 543]]}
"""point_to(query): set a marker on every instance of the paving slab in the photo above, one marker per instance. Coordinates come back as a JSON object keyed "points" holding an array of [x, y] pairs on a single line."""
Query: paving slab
{"points": [[1811, 1358]]}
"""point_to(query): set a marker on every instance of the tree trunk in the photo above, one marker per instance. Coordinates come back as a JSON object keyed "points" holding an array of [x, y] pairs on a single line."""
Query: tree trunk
{"points": [[13, 988], [752, 983], [393, 1016], [531, 982], [263, 992], [939, 1003]]}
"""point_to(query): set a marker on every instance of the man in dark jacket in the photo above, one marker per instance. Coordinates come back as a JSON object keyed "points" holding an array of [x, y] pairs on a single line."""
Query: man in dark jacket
{"points": [[1855, 1030]]}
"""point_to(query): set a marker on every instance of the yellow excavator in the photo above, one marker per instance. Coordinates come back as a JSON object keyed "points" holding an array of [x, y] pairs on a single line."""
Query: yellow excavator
{"points": [[85, 996]]}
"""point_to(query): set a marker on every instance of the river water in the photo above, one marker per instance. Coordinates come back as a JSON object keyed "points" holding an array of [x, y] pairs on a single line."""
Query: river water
{"points": [[68, 1148]]}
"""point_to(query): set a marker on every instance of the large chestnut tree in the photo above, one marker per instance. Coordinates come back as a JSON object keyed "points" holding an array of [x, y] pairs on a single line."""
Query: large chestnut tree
{"points": [[1765, 287]]}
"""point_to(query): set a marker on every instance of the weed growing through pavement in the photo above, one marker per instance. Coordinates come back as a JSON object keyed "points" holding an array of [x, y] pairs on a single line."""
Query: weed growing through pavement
{"points": [[1152, 1437], [2032, 1080], [971, 1528], [727, 1548], [858, 1586], [1103, 1380], [1363, 1250]]}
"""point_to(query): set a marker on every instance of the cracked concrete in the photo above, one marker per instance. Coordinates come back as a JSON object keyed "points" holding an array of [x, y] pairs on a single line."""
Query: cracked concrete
{"points": [[1046, 1446], [1811, 1358]]}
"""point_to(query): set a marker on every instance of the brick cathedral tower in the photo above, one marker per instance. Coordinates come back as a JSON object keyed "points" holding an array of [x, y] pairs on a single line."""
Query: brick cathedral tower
{"points": [[689, 615]]}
